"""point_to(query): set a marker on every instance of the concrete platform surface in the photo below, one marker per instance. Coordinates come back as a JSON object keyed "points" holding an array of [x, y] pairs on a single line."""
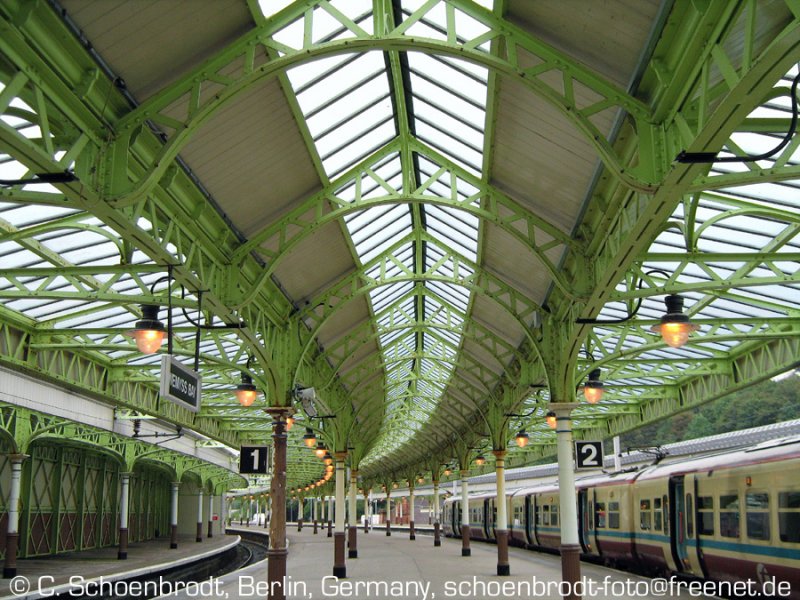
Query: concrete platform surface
{"points": [[69, 574], [396, 567]]}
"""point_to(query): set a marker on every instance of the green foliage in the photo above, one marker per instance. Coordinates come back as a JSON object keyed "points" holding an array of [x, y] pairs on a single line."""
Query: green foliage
{"points": [[763, 404]]}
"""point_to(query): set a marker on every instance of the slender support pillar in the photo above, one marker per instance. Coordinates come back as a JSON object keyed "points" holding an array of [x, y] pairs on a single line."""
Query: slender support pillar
{"points": [[173, 516], [199, 537], [314, 511], [412, 535], [437, 536], [124, 481], [300, 513], [465, 529], [330, 516], [210, 521], [570, 543], [339, 565], [12, 533], [388, 514], [501, 526], [367, 511], [277, 551], [352, 530]]}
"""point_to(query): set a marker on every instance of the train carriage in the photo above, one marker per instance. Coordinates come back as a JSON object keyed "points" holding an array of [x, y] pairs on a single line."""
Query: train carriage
{"points": [[605, 522], [731, 517]]}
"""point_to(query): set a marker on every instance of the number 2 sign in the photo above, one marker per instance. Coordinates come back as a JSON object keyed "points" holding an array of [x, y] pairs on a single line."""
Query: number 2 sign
{"points": [[588, 455]]}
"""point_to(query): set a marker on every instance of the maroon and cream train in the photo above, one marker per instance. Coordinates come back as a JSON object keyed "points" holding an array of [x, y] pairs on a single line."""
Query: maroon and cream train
{"points": [[730, 516]]}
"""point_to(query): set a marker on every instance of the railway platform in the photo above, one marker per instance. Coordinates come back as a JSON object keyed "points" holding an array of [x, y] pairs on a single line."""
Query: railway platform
{"points": [[396, 567], [70, 574]]}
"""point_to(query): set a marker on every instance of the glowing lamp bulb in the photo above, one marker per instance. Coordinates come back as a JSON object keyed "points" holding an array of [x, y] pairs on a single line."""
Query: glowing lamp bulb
{"points": [[675, 326], [551, 420], [246, 391], [148, 333], [593, 388], [309, 439], [675, 334], [522, 438]]}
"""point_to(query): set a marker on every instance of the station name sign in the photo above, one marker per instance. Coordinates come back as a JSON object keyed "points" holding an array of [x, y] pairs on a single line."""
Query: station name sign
{"points": [[180, 384]]}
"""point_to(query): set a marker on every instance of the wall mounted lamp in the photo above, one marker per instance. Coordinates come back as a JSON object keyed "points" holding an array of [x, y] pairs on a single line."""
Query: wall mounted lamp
{"points": [[551, 419], [480, 460]]}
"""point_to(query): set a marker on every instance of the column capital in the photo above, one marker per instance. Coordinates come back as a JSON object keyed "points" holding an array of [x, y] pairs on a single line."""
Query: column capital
{"points": [[563, 409], [500, 454], [464, 473], [17, 457], [340, 456], [277, 412]]}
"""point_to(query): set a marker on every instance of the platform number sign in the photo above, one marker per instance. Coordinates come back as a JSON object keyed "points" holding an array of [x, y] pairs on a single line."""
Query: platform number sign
{"points": [[253, 460], [588, 455]]}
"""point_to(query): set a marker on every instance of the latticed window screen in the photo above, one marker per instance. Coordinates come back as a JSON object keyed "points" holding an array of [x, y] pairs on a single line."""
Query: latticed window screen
{"points": [[73, 499], [148, 504], [43, 478], [5, 486]]}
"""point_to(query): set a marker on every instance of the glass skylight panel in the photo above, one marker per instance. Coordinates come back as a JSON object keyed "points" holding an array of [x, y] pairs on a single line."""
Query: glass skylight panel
{"points": [[354, 98], [387, 294]]}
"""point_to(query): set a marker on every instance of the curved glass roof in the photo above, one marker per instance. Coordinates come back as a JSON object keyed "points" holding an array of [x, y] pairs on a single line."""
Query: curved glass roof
{"points": [[409, 210]]}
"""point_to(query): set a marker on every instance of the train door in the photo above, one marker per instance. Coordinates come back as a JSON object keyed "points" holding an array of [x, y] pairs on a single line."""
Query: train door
{"points": [[528, 521], [680, 527], [583, 520], [488, 519]]}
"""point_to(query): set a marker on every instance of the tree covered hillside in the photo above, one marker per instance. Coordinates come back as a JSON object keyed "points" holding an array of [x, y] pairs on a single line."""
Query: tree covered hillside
{"points": [[762, 404]]}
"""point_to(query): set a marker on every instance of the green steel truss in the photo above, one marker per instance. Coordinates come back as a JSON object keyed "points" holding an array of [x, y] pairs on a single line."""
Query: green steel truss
{"points": [[444, 375]]}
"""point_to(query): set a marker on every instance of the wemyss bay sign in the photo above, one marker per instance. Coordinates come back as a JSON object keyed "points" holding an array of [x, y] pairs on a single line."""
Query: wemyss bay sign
{"points": [[180, 384]]}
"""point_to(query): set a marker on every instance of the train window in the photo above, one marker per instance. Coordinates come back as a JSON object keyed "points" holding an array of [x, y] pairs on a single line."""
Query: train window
{"points": [[689, 516], [645, 516], [613, 515], [554, 515], [729, 516], [591, 516], [657, 514], [546, 514], [789, 516], [705, 516], [519, 514], [757, 506], [665, 513], [600, 514]]}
